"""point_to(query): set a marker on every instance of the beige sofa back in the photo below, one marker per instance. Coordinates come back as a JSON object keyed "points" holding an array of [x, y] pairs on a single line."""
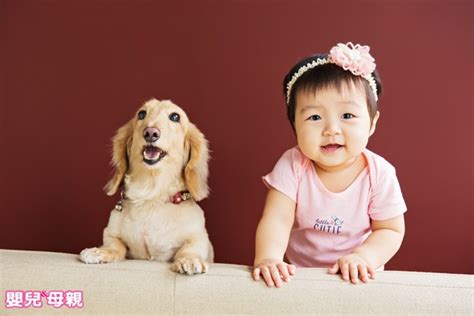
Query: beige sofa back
{"points": [[145, 287]]}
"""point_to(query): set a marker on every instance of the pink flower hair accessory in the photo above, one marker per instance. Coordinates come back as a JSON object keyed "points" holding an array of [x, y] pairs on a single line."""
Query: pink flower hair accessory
{"points": [[350, 57], [355, 58]]}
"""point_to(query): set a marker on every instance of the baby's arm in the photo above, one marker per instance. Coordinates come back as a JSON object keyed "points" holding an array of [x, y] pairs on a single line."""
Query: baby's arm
{"points": [[378, 248], [272, 236]]}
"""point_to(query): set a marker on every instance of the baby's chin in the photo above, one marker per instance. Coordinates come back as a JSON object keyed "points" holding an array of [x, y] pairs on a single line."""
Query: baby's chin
{"points": [[332, 164]]}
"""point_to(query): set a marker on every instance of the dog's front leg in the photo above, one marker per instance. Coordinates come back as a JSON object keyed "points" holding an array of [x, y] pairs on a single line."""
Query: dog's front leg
{"points": [[112, 250], [191, 257]]}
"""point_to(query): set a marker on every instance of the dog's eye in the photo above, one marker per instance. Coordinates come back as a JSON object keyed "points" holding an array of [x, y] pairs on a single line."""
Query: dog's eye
{"points": [[174, 117], [141, 115]]}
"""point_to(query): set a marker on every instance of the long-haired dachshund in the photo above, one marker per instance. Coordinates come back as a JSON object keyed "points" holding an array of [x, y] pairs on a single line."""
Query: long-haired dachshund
{"points": [[160, 159]]}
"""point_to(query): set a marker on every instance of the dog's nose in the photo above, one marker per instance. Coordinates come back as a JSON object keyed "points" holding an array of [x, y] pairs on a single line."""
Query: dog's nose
{"points": [[151, 134]]}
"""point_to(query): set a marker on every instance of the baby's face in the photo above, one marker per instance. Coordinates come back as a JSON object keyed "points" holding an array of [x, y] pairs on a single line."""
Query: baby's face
{"points": [[333, 127]]}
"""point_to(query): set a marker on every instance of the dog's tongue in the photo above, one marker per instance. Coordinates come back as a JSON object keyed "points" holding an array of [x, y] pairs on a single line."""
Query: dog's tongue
{"points": [[151, 152]]}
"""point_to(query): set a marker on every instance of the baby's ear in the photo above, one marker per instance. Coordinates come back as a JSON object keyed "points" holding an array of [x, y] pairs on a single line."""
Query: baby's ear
{"points": [[374, 123], [196, 170], [121, 146]]}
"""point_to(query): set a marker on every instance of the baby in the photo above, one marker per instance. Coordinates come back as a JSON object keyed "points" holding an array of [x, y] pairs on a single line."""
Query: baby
{"points": [[331, 202]]}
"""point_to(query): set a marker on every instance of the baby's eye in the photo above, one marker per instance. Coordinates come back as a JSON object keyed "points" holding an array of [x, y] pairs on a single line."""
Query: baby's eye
{"points": [[348, 115], [174, 117], [314, 117], [141, 115]]}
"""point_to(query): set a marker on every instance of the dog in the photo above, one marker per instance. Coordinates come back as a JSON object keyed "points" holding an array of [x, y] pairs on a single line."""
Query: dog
{"points": [[161, 161]]}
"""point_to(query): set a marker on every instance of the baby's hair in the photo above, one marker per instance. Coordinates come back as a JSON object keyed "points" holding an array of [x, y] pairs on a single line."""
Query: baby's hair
{"points": [[325, 76]]}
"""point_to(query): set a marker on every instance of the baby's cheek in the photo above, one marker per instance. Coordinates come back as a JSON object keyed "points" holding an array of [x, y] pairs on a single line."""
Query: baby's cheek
{"points": [[359, 141], [308, 147]]}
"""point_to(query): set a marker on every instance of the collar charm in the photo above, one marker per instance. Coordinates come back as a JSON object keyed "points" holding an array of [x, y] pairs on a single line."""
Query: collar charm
{"points": [[118, 207], [180, 197]]}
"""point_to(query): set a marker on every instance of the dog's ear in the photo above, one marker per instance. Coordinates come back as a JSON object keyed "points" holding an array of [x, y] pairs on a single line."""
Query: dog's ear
{"points": [[121, 146], [196, 170]]}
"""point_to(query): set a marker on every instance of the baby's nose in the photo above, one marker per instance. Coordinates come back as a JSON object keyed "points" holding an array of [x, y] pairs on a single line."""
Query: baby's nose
{"points": [[151, 134], [332, 129]]}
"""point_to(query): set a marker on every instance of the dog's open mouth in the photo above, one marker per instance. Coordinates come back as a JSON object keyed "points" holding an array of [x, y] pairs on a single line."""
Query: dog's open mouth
{"points": [[152, 154]]}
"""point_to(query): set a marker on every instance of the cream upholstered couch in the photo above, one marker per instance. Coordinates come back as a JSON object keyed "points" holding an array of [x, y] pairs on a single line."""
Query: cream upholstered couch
{"points": [[150, 288]]}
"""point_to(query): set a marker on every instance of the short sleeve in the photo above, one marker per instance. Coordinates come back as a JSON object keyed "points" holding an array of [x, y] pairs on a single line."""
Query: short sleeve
{"points": [[285, 175], [387, 200]]}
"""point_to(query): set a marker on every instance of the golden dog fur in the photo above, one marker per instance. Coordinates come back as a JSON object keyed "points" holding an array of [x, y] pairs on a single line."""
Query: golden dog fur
{"points": [[149, 226]]}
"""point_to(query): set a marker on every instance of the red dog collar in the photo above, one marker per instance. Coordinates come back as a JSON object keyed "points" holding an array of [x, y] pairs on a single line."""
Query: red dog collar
{"points": [[175, 199]]}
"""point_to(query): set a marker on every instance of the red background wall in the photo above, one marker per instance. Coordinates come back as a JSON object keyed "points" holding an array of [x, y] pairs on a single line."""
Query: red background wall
{"points": [[75, 71]]}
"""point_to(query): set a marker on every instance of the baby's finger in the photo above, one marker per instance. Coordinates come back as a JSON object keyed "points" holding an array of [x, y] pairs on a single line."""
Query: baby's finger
{"points": [[276, 276], [345, 271], [354, 273], [256, 274], [362, 273], [292, 269], [267, 277], [283, 268], [371, 272], [334, 269]]}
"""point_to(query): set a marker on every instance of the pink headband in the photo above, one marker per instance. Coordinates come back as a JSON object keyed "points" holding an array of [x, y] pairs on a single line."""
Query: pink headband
{"points": [[354, 58]]}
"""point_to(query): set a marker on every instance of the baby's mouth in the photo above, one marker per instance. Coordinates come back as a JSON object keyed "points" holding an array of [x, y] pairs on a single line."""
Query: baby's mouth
{"points": [[152, 154], [331, 147]]}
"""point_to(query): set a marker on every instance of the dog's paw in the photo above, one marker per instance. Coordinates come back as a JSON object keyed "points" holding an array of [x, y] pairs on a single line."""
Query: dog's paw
{"points": [[97, 255], [190, 265]]}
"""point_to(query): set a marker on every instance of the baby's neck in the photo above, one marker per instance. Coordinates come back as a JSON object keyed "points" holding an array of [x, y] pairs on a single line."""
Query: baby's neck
{"points": [[339, 178]]}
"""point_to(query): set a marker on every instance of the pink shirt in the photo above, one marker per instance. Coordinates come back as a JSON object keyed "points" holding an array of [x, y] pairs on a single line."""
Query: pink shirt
{"points": [[330, 225]]}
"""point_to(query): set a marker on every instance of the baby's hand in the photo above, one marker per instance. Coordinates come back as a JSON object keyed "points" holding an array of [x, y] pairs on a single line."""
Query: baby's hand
{"points": [[353, 267], [273, 272]]}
